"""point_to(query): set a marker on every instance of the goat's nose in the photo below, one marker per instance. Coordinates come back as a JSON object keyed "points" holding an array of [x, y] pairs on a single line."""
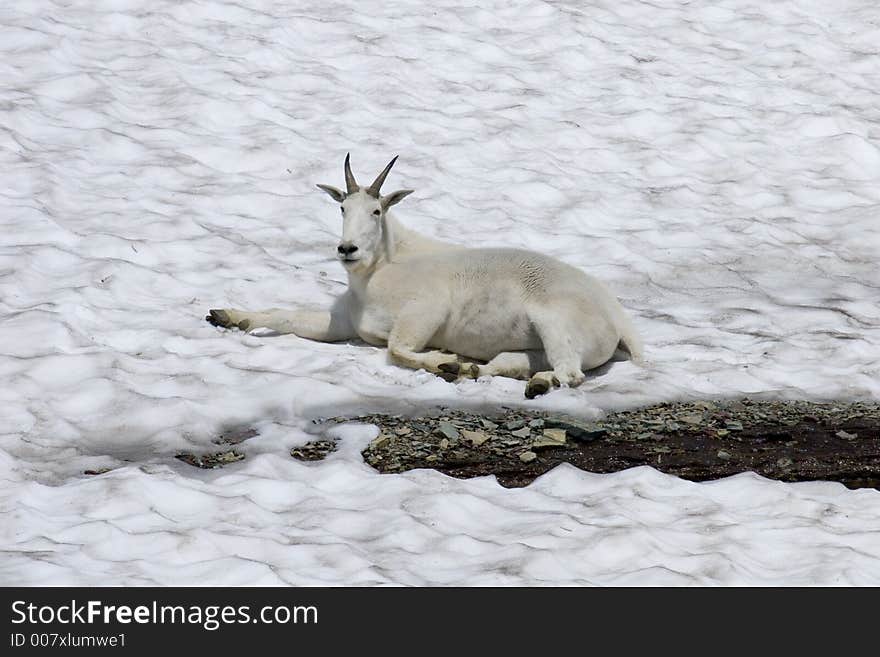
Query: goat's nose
{"points": [[346, 249]]}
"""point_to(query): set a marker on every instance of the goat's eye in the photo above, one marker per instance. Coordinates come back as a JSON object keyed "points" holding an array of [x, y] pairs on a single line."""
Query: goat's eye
{"points": [[376, 213], [342, 210]]}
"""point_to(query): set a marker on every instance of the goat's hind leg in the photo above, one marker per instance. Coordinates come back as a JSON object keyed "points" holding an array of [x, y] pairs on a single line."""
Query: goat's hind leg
{"points": [[562, 341], [574, 342]]}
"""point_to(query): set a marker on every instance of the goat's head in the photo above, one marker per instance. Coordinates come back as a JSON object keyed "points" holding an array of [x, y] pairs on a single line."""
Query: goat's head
{"points": [[366, 234]]}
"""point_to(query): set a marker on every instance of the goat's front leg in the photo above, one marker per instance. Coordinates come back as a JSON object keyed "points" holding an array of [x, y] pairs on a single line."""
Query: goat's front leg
{"points": [[322, 325], [413, 327], [512, 364]]}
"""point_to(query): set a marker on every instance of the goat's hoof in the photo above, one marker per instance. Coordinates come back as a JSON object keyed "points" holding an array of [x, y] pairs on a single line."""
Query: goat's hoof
{"points": [[540, 385], [459, 370], [452, 367], [218, 318], [536, 388]]}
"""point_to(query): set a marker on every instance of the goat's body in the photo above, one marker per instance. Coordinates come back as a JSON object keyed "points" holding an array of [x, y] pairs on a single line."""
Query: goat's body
{"points": [[493, 301], [514, 312]]}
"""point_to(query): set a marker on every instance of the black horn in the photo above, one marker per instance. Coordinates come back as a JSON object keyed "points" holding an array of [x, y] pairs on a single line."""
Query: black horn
{"points": [[351, 185], [373, 190]]}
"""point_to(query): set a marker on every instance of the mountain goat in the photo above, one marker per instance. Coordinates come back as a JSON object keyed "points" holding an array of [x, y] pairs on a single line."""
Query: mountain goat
{"points": [[457, 312]]}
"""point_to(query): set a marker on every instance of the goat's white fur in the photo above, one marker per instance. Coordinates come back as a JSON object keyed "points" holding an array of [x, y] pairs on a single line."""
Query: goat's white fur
{"points": [[458, 311]]}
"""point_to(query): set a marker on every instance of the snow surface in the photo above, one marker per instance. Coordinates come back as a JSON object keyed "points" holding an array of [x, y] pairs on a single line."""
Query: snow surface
{"points": [[717, 164]]}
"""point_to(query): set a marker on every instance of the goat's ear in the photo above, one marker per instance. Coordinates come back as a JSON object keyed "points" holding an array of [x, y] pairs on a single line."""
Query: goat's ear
{"points": [[395, 197], [337, 194]]}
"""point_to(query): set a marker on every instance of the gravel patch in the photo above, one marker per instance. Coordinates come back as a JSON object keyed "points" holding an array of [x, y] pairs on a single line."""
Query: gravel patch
{"points": [[699, 440]]}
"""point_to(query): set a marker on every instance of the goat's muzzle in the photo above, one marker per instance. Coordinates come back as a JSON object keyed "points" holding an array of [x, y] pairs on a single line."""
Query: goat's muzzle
{"points": [[347, 252]]}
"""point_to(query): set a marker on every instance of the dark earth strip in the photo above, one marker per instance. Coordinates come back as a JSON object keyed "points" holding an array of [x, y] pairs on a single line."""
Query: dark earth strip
{"points": [[699, 440], [784, 440]]}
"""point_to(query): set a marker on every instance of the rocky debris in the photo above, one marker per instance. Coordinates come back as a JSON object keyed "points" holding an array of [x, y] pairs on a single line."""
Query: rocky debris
{"points": [[477, 438], [96, 471], [212, 460], [448, 430], [381, 440], [557, 435], [315, 450], [550, 438], [449, 437], [577, 429], [527, 457], [696, 440], [235, 436]]}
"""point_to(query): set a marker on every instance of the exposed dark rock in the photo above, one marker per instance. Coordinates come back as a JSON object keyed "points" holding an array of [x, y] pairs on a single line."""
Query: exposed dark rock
{"points": [[787, 440]]}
